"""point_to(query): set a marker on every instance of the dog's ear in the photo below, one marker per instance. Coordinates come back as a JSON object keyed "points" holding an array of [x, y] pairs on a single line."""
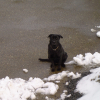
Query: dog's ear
{"points": [[50, 35], [60, 36], [57, 35]]}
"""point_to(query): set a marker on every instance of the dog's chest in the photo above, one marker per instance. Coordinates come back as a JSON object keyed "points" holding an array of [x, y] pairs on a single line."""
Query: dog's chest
{"points": [[54, 54], [55, 57]]}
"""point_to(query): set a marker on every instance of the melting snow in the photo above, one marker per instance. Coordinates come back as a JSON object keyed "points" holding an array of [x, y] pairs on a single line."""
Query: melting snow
{"points": [[20, 89], [88, 60], [25, 70], [59, 76], [90, 86], [98, 34], [93, 30]]}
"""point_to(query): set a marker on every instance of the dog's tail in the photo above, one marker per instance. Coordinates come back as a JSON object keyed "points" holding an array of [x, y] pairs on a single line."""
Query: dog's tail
{"points": [[44, 60]]}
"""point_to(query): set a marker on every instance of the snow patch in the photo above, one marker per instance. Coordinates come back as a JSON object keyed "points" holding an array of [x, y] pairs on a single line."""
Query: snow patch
{"points": [[93, 30], [98, 34], [63, 95], [48, 88], [59, 76], [67, 83], [20, 89], [88, 60], [98, 26], [90, 86], [25, 70]]}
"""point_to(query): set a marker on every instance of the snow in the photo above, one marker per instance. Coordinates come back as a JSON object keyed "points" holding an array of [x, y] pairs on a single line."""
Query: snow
{"points": [[98, 26], [90, 86], [59, 76], [93, 30], [80, 60], [65, 91], [63, 95], [20, 89], [68, 96], [57, 81], [88, 60], [48, 88], [67, 83], [98, 34], [70, 62], [47, 98], [25, 70]]}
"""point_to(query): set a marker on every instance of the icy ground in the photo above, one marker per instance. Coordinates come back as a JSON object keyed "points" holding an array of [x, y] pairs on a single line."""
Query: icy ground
{"points": [[20, 89], [89, 86]]}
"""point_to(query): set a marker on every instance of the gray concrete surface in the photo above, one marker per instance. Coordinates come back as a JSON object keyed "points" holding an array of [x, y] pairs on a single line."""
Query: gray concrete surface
{"points": [[25, 25]]}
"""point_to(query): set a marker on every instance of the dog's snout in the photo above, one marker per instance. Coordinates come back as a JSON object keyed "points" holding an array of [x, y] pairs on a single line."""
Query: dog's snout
{"points": [[54, 41]]}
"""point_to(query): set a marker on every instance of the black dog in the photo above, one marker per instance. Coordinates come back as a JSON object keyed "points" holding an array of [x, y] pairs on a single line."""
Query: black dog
{"points": [[56, 54]]}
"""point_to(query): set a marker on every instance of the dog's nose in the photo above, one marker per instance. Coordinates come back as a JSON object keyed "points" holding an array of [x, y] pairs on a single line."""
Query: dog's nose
{"points": [[53, 41]]}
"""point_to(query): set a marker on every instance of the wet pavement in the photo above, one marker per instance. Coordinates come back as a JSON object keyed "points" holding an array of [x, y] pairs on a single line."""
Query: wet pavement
{"points": [[26, 24]]}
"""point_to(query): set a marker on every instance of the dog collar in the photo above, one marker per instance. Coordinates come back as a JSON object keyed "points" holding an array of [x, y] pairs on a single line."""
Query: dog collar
{"points": [[55, 49]]}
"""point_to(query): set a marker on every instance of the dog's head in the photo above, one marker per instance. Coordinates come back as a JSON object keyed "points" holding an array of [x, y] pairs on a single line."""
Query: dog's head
{"points": [[54, 39]]}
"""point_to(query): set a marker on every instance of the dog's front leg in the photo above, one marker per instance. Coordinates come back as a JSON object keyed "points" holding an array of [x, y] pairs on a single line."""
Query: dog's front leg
{"points": [[59, 64], [52, 66]]}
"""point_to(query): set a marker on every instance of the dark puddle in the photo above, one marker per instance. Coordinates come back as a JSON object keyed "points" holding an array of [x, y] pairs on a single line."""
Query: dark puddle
{"points": [[72, 86]]}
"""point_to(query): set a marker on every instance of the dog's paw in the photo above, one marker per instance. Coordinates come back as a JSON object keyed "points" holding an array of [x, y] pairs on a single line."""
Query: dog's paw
{"points": [[51, 65], [52, 69], [63, 65], [58, 69]]}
